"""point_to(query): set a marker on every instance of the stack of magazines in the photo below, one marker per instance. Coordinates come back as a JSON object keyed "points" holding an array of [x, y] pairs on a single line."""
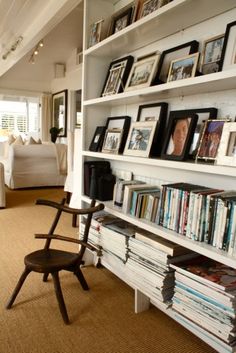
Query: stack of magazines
{"points": [[204, 295]]}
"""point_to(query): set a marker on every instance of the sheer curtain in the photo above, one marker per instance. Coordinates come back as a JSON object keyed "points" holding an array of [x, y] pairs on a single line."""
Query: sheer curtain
{"points": [[46, 114]]}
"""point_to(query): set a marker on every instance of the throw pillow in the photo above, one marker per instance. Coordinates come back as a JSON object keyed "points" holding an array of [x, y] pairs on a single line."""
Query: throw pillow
{"points": [[11, 139], [18, 141], [31, 141]]}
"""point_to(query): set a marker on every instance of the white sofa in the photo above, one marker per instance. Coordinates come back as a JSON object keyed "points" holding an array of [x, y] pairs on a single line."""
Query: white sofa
{"points": [[34, 165]]}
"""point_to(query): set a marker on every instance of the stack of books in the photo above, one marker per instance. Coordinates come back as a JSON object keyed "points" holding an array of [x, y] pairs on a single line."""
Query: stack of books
{"points": [[148, 269], [204, 295]]}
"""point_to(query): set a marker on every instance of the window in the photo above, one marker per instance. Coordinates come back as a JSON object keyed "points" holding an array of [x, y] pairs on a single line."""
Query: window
{"points": [[19, 115]]}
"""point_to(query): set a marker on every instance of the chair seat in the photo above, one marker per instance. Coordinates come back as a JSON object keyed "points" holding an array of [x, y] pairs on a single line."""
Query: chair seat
{"points": [[46, 261]]}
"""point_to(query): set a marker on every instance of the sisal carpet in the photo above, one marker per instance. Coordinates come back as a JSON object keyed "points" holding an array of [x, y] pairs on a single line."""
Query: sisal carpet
{"points": [[103, 319]]}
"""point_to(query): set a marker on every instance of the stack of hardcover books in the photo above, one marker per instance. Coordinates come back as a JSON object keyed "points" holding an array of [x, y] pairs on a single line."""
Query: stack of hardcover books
{"points": [[204, 295]]}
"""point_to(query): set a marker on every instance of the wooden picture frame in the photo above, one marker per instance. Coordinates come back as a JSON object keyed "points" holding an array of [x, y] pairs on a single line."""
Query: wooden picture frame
{"points": [[98, 137], [95, 33], [228, 57], [227, 148], [140, 138], [154, 112], [147, 7], [210, 139], [112, 141], [120, 122], [59, 111], [203, 115], [183, 68], [179, 136], [121, 20], [117, 76], [142, 72], [169, 55], [211, 55]]}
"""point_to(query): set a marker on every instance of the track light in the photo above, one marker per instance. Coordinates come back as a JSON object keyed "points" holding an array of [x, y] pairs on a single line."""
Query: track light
{"points": [[13, 47], [35, 52]]}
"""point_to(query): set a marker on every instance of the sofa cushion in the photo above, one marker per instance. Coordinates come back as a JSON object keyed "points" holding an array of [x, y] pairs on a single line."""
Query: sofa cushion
{"points": [[31, 141], [18, 141]]}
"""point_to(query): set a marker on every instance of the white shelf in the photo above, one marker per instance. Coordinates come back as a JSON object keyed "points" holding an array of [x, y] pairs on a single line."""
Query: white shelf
{"points": [[144, 31], [199, 167], [219, 81]]}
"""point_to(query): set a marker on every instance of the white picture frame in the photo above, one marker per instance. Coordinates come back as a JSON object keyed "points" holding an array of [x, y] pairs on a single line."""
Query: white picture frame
{"points": [[227, 148], [183, 68]]}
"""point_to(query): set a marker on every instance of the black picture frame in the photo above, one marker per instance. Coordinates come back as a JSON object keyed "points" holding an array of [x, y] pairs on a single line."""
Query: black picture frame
{"points": [[203, 115], [116, 20], [226, 46], [161, 117], [120, 122], [117, 75], [169, 55], [59, 111], [97, 140], [189, 122]]}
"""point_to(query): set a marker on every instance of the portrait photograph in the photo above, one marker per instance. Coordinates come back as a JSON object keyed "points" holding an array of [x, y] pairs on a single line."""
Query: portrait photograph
{"points": [[228, 58], [227, 148], [95, 33], [210, 140], [179, 136], [142, 73], [140, 138], [112, 141], [183, 68], [212, 51]]}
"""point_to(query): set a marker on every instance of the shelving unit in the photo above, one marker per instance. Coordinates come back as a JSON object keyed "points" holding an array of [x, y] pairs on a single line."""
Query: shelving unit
{"points": [[175, 23]]}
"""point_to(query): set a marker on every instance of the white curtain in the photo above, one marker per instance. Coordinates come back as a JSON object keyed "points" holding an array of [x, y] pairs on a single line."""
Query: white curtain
{"points": [[46, 114]]}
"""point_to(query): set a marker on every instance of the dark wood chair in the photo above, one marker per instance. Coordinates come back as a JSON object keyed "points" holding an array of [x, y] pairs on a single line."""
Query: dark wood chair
{"points": [[51, 261]]}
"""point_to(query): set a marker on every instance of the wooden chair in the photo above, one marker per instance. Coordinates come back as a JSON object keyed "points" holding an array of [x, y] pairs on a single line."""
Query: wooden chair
{"points": [[51, 261]]}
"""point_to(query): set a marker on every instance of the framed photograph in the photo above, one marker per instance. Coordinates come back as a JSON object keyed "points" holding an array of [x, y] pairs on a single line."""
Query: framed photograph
{"points": [[121, 20], [117, 76], [179, 136], [95, 33], [210, 139], [169, 55], [227, 148], [148, 7], [228, 58], [183, 68], [203, 115], [120, 122], [97, 141], [112, 141], [59, 111], [142, 73], [140, 138], [154, 112], [212, 50]]}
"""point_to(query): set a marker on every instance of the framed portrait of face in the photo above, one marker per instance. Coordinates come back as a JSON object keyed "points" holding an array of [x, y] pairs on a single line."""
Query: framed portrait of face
{"points": [[112, 141], [183, 68], [142, 73], [95, 33], [228, 58], [154, 112], [179, 136], [210, 139], [169, 55], [212, 51], [140, 138], [98, 138], [227, 148], [117, 76]]}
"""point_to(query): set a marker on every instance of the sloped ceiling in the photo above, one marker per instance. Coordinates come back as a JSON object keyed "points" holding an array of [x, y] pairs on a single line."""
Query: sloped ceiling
{"points": [[57, 22]]}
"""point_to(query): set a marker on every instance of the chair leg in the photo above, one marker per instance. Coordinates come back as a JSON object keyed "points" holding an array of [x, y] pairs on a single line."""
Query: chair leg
{"points": [[81, 279], [45, 277], [60, 298], [17, 289]]}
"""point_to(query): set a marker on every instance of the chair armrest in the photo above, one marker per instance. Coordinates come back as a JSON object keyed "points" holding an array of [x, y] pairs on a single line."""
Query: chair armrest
{"points": [[68, 239]]}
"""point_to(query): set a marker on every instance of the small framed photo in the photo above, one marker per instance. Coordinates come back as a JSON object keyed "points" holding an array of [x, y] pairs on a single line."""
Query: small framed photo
{"points": [[95, 33], [228, 58], [59, 111], [183, 68], [121, 20], [142, 73], [212, 50], [117, 76], [154, 112], [140, 138], [98, 138], [179, 136], [203, 115], [147, 7], [210, 139], [169, 55], [112, 141], [227, 149], [120, 122]]}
